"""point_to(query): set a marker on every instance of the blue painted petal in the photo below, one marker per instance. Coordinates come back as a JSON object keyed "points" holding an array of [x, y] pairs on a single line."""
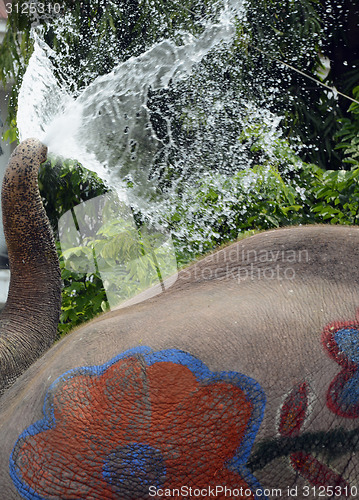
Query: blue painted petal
{"points": [[134, 467], [349, 395], [347, 340]]}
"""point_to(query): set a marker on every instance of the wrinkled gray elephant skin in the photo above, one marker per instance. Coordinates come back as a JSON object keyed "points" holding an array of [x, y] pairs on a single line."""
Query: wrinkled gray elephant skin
{"points": [[239, 381], [29, 320]]}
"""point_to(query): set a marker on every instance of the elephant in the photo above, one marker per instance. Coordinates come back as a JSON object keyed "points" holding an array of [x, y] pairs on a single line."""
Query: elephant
{"points": [[238, 381]]}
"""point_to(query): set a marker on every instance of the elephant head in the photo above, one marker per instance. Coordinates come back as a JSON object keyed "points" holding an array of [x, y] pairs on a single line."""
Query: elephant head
{"points": [[239, 381], [29, 320]]}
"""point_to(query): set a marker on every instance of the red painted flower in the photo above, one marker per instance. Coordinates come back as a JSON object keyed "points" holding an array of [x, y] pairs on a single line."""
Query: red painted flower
{"points": [[145, 419]]}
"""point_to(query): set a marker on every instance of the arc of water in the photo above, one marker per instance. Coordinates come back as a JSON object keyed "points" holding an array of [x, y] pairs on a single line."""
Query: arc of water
{"points": [[107, 127]]}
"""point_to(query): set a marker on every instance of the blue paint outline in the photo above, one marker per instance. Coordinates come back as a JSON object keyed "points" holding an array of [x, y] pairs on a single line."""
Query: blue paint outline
{"points": [[249, 386]]}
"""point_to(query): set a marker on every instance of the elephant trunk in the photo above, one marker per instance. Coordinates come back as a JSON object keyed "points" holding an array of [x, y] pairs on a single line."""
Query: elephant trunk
{"points": [[29, 320]]}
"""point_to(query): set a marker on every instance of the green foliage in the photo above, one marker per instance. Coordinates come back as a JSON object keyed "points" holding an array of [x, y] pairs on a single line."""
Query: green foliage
{"points": [[83, 297], [64, 184], [348, 136], [337, 195], [129, 259], [15, 52], [120, 257], [232, 205], [293, 33]]}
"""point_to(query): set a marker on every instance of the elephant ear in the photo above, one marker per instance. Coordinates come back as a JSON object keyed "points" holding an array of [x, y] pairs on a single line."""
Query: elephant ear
{"points": [[29, 320], [143, 420]]}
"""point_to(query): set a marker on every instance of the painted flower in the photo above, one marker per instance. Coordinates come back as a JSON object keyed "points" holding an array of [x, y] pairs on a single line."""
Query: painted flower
{"points": [[144, 419], [292, 417], [341, 341]]}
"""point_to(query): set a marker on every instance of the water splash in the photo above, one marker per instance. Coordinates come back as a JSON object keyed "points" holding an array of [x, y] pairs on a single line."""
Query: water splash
{"points": [[163, 121], [107, 127]]}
